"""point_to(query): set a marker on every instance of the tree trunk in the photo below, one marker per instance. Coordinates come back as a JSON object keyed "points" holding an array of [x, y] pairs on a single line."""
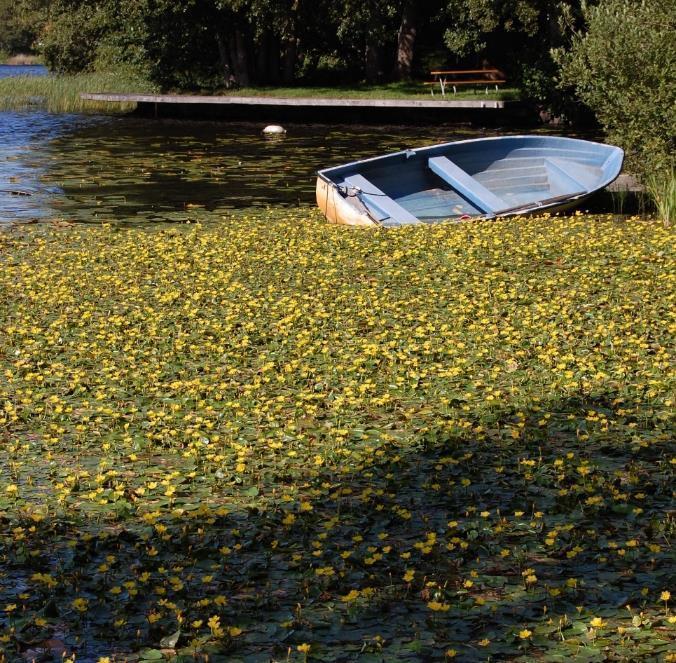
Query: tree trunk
{"points": [[372, 63], [273, 60], [406, 42], [224, 58], [289, 61], [241, 61], [262, 58]]}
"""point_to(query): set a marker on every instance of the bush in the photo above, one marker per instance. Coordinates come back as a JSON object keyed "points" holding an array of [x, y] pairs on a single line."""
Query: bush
{"points": [[18, 28], [624, 69], [85, 37], [68, 42]]}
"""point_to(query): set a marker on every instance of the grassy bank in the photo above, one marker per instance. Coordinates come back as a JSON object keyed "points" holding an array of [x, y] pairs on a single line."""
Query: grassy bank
{"points": [[62, 93], [385, 91], [22, 59], [271, 438]]}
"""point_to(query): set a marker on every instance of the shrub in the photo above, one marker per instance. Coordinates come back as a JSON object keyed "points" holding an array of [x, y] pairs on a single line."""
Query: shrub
{"points": [[624, 69], [84, 37]]}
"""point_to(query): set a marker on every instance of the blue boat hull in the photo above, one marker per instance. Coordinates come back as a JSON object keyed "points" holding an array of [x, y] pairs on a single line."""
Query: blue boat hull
{"points": [[485, 177]]}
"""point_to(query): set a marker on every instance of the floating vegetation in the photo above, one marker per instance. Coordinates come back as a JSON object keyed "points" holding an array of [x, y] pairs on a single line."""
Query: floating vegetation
{"points": [[271, 438], [111, 168]]}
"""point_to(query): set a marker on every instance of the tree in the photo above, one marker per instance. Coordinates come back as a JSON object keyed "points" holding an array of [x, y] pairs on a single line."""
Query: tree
{"points": [[20, 23], [624, 68], [365, 32], [517, 36], [77, 35]]}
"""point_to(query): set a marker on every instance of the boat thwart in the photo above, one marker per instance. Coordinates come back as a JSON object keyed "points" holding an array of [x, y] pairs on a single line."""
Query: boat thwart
{"points": [[484, 177]]}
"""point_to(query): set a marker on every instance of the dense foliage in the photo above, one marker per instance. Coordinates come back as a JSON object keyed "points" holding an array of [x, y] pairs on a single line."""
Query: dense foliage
{"points": [[624, 68], [273, 439], [518, 35], [20, 23], [211, 43]]}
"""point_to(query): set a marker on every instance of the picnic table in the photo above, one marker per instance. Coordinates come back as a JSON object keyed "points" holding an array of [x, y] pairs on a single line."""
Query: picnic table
{"points": [[456, 77]]}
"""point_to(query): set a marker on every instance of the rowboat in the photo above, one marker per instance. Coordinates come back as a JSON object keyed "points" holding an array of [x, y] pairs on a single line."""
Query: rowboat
{"points": [[484, 177]]}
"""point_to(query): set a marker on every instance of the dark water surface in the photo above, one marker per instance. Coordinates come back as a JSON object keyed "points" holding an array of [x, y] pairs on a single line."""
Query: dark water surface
{"points": [[98, 168], [91, 168]]}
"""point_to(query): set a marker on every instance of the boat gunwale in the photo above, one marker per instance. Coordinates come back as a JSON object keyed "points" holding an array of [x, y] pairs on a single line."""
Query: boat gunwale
{"points": [[527, 208], [613, 149]]}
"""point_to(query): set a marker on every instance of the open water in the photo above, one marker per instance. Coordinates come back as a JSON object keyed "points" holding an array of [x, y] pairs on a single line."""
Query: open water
{"points": [[99, 168]]}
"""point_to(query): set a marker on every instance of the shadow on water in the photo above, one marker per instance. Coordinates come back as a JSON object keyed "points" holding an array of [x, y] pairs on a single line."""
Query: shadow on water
{"points": [[473, 518], [130, 169], [133, 170]]}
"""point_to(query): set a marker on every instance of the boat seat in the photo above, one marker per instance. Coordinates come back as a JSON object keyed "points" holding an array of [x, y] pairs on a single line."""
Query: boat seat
{"points": [[379, 201], [466, 185], [559, 171]]}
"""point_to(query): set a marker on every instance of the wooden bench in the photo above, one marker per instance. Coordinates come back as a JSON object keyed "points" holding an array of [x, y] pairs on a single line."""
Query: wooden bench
{"points": [[456, 77]]}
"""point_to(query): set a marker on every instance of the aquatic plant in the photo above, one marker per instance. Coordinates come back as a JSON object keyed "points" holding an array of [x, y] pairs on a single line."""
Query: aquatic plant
{"points": [[270, 438], [661, 187], [62, 93]]}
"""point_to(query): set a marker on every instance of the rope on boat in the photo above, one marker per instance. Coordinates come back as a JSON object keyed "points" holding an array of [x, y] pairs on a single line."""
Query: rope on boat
{"points": [[354, 191]]}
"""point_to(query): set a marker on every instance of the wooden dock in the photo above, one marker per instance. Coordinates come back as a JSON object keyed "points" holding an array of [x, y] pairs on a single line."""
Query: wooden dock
{"points": [[298, 102], [314, 109]]}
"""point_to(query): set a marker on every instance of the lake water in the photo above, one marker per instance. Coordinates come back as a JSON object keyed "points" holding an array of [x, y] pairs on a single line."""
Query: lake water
{"points": [[8, 71], [94, 168], [121, 168]]}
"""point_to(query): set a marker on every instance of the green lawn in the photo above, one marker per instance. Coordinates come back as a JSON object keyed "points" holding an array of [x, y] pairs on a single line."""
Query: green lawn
{"points": [[62, 93], [267, 438], [386, 91]]}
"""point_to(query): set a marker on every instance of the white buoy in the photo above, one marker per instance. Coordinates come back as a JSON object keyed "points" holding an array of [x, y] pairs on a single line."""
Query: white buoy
{"points": [[274, 130]]}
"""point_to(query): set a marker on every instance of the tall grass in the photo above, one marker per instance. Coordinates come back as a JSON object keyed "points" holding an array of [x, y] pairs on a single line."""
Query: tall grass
{"points": [[661, 188], [61, 94]]}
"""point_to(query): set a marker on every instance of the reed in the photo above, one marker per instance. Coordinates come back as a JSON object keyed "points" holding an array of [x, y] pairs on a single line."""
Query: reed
{"points": [[661, 188], [61, 94]]}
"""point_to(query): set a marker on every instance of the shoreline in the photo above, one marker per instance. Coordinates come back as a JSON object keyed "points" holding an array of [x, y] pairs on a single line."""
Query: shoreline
{"points": [[317, 108], [22, 60]]}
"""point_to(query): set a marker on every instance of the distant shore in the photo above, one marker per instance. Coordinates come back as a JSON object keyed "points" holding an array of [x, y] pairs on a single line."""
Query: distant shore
{"points": [[22, 59]]}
